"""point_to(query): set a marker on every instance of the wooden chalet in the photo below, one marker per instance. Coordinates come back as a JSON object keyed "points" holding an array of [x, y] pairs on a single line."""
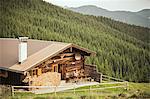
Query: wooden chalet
{"points": [[34, 62]]}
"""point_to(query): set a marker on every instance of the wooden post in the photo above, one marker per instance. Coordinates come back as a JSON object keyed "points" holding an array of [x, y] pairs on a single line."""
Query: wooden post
{"points": [[12, 90], [55, 90], [74, 89], [126, 85], [101, 75], [90, 89], [71, 49]]}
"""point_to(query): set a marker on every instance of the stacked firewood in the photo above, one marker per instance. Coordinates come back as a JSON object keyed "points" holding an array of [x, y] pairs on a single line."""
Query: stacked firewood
{"points": [[45, 79]]}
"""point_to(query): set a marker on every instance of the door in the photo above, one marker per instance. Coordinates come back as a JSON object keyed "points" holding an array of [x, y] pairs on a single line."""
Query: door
{"points": [[55, 67]]}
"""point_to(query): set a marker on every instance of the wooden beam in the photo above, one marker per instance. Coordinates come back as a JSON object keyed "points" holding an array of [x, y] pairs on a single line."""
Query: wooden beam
{"points": [[71, 49]]}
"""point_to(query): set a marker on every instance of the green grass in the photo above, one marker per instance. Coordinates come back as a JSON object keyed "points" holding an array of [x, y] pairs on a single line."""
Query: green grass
{"points": [[135, 90]]}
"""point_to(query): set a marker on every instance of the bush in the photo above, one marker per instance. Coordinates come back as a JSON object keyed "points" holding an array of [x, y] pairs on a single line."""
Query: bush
{"points": [[39, 98], [144, 95], [122, 95], [141, 95], [5, 90]]}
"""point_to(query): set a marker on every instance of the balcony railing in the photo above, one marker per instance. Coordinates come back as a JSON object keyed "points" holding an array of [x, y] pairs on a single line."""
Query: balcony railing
{"points": [[92, 71]]}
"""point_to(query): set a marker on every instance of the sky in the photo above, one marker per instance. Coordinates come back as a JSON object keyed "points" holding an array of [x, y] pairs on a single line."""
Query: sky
{"points": [[112, 5]]}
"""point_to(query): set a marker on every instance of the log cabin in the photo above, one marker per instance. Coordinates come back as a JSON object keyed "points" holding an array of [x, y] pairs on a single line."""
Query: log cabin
{"points": [[31, 62]]}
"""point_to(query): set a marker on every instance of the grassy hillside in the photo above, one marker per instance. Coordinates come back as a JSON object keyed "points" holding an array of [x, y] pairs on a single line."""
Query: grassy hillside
{"points": [[122, 50]]}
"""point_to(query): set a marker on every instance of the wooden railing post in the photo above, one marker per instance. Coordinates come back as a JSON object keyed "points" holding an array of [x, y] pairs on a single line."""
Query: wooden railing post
{"points": [[89, 89], [55, 90], [101, 77], [12, 90], [74, 89], [126, 85]]}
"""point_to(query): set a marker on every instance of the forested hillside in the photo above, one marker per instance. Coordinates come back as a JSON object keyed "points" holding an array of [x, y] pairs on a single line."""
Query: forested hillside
{"points": [[122, 50]]}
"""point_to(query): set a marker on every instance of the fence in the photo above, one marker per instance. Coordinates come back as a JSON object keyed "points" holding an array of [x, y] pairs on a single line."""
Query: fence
{"points": [[108, 78], [74, 88], [98, 76]]}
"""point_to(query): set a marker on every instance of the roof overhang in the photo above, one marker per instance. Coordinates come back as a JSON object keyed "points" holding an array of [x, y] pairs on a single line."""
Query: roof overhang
{"points": [[12, 70], [92, 53]]}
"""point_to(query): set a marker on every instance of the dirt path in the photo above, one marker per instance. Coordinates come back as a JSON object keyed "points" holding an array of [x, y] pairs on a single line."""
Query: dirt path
{"points": [[63, 87]]}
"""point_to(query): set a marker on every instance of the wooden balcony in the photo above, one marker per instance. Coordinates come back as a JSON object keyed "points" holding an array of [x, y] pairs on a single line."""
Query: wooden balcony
{"points": [[91, 71]]}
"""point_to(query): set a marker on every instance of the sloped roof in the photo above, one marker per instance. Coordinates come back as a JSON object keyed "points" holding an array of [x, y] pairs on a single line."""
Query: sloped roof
{"points": [[9, 50], [37, 51]]}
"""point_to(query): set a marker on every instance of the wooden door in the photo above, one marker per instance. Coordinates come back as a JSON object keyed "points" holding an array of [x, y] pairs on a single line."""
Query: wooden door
{"points": [[55, 68]]}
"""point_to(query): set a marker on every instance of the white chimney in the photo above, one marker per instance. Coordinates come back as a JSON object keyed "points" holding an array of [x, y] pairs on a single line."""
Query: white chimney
{"points": [[22, 49]]}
